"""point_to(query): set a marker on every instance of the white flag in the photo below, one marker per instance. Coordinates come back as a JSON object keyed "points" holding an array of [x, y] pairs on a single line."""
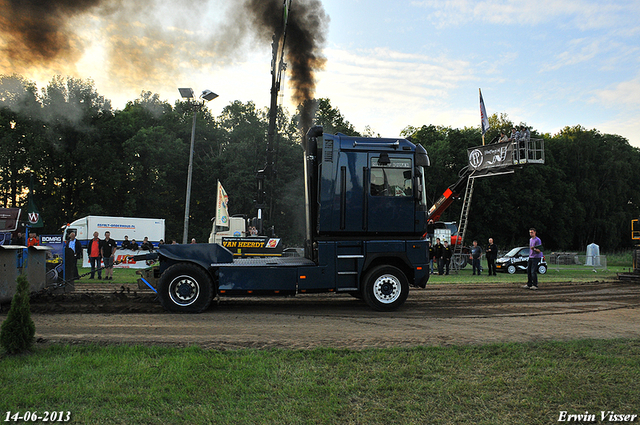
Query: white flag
{"points": [[222, 213], [484, 119]]}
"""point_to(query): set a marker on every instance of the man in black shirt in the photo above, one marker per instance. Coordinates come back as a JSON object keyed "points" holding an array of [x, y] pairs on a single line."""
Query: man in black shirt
{"points": [[146, 245], [447, 253], [437, 256], [126, 243], [108, 252], [492, 255]]}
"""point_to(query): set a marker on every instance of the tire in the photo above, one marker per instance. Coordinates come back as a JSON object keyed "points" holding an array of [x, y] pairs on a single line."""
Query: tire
{"points": [[385, 288], [459, 261], [542, 269], [185, 288], [512, 269]]}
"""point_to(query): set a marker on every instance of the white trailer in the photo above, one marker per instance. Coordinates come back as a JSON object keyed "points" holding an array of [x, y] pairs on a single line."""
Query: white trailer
{"points": [[135, 227]]}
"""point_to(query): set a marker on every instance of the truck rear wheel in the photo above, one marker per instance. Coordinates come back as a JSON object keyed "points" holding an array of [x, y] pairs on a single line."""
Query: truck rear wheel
{"points": [[185, 288], [385, 288]]}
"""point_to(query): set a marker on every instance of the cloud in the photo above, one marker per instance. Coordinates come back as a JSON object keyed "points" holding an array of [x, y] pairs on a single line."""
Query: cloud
{"points": [[623, 94], [579, 51], [582, 14], [389, 90]]}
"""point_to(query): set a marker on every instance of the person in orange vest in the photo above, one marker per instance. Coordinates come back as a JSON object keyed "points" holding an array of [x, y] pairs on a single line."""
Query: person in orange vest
{"points": [[93, 252], [33, 240]]}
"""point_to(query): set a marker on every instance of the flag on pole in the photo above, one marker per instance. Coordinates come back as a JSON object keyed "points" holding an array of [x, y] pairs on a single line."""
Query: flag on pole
{"points": [[484, 119], [35, 220], [222, 212]]}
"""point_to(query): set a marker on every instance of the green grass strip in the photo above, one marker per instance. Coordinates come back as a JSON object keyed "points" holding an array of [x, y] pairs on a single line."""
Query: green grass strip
{"points": [[495, 384]]}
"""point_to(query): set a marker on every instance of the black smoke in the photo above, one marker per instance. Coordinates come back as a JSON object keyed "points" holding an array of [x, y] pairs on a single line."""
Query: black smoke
{"points": [[304, 42], [39, 30], [35, 33]]}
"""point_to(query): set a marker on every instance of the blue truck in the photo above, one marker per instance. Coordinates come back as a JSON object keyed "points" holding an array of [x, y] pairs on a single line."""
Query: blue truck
{"points": [[366, 223]]}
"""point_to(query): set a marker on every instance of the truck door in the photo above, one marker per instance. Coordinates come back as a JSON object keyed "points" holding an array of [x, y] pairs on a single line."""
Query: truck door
{"points": [[390, 199], [350, 191]]}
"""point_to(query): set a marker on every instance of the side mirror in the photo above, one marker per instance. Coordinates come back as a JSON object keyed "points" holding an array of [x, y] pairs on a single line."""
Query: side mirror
{"points": [[417, 188]]}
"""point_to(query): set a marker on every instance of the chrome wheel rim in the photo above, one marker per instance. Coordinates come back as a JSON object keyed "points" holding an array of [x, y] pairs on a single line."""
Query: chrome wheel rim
{"points": [[387, 288], [184, 290]]}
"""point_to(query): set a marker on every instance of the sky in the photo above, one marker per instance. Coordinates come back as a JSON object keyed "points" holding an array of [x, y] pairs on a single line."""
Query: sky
{"points": [[548, 63]]}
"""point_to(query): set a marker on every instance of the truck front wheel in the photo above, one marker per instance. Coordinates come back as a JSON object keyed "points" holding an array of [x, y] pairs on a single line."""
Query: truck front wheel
{"points": [[385, 288], [185, 288]]}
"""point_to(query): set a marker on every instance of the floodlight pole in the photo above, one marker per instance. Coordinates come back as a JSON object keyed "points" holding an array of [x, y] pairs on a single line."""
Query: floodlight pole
{"points": [[185, 234], [206, 96]]}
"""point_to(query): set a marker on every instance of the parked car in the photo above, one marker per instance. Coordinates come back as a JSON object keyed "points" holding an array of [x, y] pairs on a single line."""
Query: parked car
{"points": [[516, 260]]}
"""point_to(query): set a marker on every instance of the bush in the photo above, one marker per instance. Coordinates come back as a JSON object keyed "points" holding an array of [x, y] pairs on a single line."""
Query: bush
{"points": [[18, 330]]}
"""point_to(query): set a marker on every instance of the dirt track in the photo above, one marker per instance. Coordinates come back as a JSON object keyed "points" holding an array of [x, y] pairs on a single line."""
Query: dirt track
{"points": [[438, 315]]}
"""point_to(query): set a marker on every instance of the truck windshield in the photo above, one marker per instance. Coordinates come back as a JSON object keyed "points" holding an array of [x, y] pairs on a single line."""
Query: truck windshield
{"points": [[392, 179]]}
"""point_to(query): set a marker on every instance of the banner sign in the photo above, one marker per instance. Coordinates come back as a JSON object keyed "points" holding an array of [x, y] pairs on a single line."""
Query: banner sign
{"points": [[222, 212], [35, 220], [254, 246], [55, 257], [491, 159], [122, 255], [9, 218]]}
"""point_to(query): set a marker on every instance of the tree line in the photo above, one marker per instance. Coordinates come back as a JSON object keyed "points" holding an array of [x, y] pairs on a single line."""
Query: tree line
{"points": [[88, 158]]}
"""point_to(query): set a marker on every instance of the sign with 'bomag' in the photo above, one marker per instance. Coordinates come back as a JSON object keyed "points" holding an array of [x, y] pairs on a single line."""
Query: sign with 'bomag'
{"points": [[258, 246]]}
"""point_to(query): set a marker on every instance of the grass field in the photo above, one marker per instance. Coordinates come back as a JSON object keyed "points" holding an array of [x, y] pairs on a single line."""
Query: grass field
{"points": [[495, 384]]}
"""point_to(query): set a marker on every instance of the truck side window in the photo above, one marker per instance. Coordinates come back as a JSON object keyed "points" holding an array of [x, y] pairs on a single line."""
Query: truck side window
{"points": [[392, 179]]}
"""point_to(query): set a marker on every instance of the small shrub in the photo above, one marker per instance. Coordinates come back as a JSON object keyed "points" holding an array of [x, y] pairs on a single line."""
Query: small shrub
{"points": [[18, 330]]}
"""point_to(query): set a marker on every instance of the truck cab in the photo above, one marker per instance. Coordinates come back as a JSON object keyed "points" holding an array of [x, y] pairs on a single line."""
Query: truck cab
{"points": [[365, 211]]}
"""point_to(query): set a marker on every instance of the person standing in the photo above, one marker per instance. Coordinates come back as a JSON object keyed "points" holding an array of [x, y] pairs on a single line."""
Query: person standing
{"points": [[492, 255], [431, 253], [447, 253], [18, 239], [437, 256], [108, 253], [93, 252], [72, 253], [535, 254], [33, 240], [476, 254]]}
